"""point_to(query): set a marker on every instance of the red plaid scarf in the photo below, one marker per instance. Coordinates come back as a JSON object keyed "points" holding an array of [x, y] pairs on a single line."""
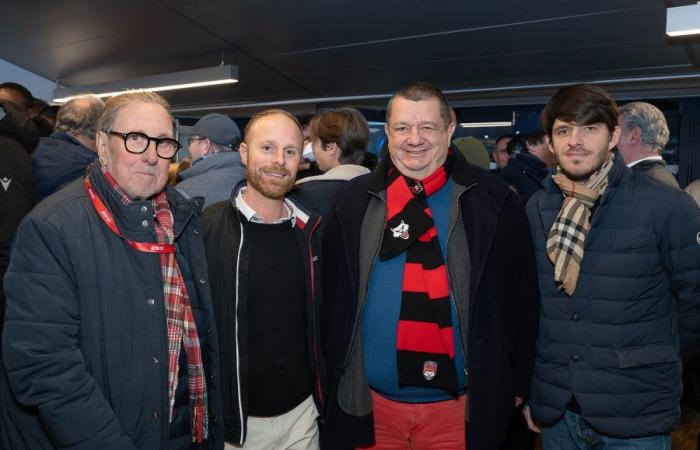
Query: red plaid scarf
{"points": [[424, 337], [180, 320]]}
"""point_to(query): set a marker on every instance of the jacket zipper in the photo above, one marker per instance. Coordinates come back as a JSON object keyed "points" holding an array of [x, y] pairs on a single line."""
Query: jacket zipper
{"points": [[314, 344], [238, 360], [353, 339]]}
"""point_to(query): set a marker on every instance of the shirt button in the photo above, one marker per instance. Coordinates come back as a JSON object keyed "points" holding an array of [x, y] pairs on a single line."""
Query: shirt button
{"points": [[155, 360], [150, 302], [574, 317], [144, 223], [574, 358], [155, 414], [202, 281], [144, 209], [195, 231]]}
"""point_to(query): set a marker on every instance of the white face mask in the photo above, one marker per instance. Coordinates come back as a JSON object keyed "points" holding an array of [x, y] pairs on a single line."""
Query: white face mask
{"points": [[308, 153]]}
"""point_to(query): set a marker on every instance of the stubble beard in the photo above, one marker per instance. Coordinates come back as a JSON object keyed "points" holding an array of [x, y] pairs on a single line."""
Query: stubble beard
{"points": [[269, 190]]}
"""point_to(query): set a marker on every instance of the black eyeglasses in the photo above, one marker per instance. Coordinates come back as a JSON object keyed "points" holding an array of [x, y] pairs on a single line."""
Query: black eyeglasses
{"points": [[137, 143]]}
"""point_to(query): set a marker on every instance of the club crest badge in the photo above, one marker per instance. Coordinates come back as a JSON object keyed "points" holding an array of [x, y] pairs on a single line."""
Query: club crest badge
{"points": [[429, 370], [400, 230]]}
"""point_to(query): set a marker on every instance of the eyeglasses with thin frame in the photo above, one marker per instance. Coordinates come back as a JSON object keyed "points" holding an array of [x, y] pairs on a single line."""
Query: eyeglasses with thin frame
{"points": [[195, 138], [138, 143]]}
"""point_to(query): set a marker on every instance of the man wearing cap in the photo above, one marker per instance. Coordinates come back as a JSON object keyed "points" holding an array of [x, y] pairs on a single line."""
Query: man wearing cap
{"points": [[216, 165]]}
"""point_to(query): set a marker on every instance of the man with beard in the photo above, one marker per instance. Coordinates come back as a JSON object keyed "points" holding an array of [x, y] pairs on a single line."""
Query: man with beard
{"points": [[106, 343], [262, 253], [618, 257]]}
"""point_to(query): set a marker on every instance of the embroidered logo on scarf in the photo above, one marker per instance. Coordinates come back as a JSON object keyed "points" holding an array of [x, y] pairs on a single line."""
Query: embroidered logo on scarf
{"points": [[429, 370], [400, 231]]}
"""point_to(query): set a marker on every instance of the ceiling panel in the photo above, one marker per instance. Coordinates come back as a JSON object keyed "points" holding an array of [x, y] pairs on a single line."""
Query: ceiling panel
{"points": [[306, 50]]}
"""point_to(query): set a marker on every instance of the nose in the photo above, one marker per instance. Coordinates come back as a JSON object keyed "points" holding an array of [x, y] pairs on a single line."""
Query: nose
{"points": [[150, 156], [278, 157], [414, 136], [575, 138]]}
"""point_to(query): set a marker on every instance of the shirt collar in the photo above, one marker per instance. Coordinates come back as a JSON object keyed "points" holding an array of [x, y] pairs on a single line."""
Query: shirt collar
{"points": [[648, 158], [252, 216]]}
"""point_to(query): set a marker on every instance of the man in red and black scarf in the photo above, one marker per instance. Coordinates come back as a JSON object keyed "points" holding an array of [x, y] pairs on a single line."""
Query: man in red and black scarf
{"points": [[430, 297], [109, 340]]}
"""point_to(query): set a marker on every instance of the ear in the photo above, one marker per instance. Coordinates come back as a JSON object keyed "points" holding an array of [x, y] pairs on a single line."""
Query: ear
{"points": [[243, 150], [332, 148], [451, 130], [548, 141], [635, 135], [102, 145], [615, 138]]}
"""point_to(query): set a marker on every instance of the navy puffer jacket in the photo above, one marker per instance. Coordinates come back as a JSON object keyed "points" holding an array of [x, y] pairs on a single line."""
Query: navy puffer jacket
{"points": [[85, 345], [616, 344]]}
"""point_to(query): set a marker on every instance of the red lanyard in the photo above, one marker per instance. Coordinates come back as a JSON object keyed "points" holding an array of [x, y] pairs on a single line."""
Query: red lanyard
{"points": [[106, 216]]}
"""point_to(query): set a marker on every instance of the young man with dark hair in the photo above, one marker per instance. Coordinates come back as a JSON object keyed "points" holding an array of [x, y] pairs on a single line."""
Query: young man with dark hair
{"points": [[430, 297], [618, 257]]}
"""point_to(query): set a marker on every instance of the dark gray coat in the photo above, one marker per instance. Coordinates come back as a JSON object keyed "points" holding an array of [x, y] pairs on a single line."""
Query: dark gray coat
{"points": [[616, 344], [85, 343]]}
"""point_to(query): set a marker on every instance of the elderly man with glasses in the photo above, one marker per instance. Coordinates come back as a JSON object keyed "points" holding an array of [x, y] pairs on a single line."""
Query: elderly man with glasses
{"points": [[109, 339]]}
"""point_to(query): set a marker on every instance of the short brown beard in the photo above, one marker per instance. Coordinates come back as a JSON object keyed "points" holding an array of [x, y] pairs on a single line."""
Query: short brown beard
{"points": [[269, 190]]}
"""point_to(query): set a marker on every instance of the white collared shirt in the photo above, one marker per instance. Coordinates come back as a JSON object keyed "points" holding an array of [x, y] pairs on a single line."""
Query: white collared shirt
{"points": [[648, 158], [252, 216]]}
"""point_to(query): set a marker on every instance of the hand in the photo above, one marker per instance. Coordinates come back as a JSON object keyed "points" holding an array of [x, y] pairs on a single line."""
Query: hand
{"points": [[531, 424], [518, 401]]}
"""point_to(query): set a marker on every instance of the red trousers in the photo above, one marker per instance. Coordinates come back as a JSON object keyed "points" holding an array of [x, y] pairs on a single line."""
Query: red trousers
{"points": [[419, 426]]}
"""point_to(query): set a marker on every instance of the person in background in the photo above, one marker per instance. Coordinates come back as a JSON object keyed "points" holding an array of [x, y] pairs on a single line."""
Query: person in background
{"points": [[216, 165], [63, 157], [18, 137], [644, 134], [500, 153], [339, 139], [527, 170]]}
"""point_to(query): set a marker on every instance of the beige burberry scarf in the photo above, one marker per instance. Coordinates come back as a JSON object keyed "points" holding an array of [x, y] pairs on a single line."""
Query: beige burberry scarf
{"points": [[568, 233]]}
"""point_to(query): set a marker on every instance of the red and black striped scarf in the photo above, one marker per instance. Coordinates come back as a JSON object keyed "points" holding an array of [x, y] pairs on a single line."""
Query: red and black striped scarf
{"points": [[424, 338]]}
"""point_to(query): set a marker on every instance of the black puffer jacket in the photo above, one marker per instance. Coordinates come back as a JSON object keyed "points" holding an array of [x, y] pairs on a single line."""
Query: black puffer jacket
{"points": [[18, 137], [85, 344], [616, 344]]}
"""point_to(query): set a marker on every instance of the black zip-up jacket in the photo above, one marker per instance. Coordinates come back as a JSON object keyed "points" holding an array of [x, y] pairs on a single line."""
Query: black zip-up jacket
{"points": [[227, 257], [491, 268]]}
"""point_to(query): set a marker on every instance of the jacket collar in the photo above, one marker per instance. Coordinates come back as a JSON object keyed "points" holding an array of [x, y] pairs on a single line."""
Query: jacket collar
{"points": [[343, 172], [463, 173], [129, 218]]}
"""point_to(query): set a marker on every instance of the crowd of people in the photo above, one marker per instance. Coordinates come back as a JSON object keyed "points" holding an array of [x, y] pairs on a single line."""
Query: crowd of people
{"points": [[279, 291]]}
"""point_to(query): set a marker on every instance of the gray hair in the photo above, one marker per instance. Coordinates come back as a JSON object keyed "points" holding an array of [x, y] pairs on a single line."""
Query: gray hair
{"points": [[80, 115], [649, 119], [116, 103]]}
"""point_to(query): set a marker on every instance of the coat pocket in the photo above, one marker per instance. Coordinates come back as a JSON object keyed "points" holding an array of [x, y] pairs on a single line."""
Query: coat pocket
{"points": [[649, 354]]}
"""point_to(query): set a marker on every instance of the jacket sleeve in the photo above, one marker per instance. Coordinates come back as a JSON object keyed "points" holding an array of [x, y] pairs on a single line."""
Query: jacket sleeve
{"points": [[680, 240], [41, 351], [524, 318]]}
